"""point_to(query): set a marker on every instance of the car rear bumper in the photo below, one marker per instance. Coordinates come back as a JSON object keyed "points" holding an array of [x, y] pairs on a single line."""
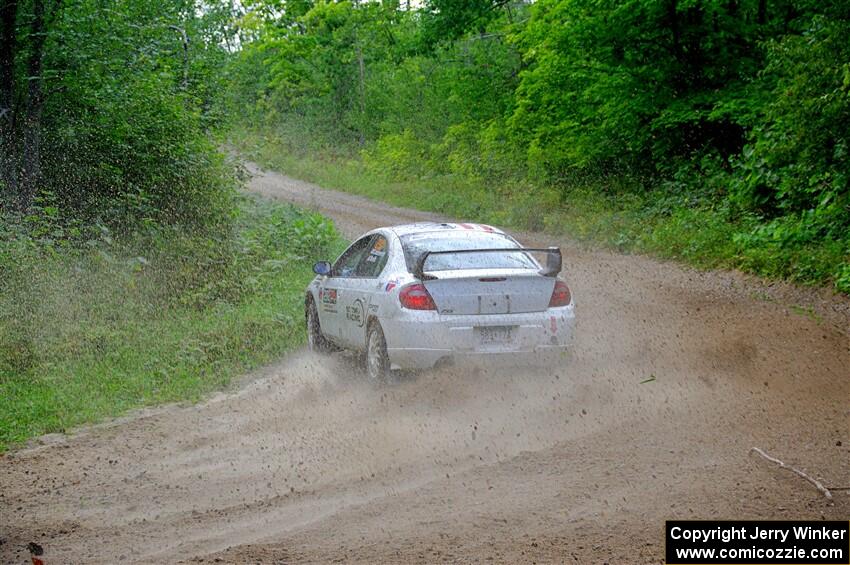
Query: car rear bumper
{"points": [[420, 339]]}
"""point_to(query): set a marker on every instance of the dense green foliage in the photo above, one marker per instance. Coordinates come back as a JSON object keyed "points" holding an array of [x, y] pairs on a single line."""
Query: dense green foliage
{"points": [[735, 114], [92, 331], [105, 110]]}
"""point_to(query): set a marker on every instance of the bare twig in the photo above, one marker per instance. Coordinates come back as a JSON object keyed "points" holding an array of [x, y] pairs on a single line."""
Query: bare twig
{"points": [[818, 485]]}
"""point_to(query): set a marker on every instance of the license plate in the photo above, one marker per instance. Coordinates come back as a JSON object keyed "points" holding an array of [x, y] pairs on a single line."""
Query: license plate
{"points": [[495, 334]]}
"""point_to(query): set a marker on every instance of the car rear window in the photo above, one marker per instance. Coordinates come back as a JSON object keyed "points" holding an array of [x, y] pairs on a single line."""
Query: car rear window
{"points": [[415, 245]]}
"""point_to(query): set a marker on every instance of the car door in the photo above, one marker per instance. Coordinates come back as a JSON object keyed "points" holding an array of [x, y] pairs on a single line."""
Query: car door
{"points": [[359, 291], [332, 293]]}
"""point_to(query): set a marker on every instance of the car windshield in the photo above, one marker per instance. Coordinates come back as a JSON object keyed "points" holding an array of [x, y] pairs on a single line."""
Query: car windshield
{"points": [[415, 245]]}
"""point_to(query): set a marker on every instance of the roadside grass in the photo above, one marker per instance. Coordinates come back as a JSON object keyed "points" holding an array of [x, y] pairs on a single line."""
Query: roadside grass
{"points": [[88, 333], [698, 232]]}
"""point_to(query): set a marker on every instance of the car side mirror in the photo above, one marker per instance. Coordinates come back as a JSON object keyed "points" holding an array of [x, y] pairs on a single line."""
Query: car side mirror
{"points": [[322, 268]]}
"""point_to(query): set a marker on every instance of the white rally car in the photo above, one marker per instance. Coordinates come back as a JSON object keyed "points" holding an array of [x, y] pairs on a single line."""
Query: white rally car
{"points": [[418, 294]]}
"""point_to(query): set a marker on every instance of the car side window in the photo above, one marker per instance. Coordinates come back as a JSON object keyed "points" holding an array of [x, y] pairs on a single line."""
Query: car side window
{"points": [[373, 262], [346, 265]]}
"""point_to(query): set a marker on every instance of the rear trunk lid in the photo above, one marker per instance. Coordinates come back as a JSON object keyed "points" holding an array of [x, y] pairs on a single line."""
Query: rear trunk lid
{"points": [[490, 291]]}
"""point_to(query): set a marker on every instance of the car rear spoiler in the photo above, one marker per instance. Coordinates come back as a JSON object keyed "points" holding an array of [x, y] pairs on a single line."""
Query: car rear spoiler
{"points": [[553, 258]]}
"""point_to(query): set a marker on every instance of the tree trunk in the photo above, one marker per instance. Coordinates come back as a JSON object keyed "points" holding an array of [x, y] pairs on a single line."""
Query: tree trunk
{"points": [[35, 102], [8, 11], [184, 83], [8, 159], [362, 91], [673, 16]]}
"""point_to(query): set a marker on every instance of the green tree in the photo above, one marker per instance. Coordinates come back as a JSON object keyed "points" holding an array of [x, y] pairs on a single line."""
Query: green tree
{"points": [[798, 159], [103, 107]]}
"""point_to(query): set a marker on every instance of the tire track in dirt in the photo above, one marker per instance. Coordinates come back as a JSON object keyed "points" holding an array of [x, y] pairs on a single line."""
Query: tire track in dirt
{"points": [[307, 462]]}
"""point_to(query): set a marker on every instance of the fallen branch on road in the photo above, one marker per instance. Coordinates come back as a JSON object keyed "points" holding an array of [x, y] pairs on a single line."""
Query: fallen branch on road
{"points": [[818, 485]]}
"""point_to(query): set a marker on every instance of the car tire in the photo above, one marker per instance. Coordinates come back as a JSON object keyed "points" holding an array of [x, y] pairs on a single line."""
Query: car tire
{"points": [[376, 359], [316, 340]]}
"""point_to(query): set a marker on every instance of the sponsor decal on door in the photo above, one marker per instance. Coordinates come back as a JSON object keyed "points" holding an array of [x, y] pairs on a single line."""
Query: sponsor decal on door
{"points": [[328, 297], [355, 313]]}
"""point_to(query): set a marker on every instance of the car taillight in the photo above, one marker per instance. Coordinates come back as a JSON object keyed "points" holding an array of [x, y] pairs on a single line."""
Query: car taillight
{"points": [[560, 295], [416, 297]]}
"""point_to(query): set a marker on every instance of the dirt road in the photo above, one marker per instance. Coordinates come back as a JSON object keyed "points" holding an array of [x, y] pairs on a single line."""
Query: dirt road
{"points": [[307, 462]]}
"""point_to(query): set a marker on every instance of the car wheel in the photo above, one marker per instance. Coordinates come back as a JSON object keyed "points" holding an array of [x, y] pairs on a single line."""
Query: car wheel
{"points": [[316, 341], [377, 360]]}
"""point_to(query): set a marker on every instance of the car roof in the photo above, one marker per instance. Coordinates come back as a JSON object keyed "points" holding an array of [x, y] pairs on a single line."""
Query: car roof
{"points": [[426, 227]]}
